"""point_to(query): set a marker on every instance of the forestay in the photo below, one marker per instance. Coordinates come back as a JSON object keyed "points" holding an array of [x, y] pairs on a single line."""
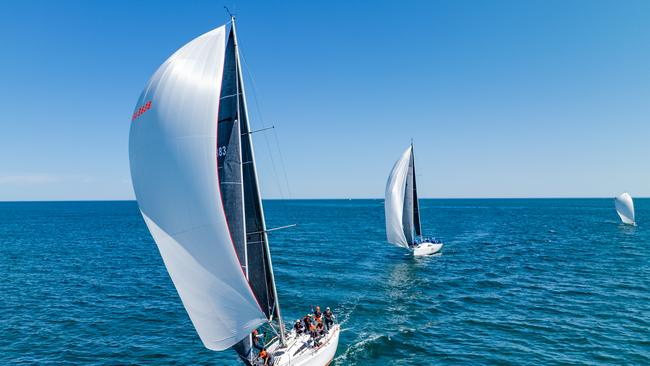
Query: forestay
{"points": [[625, 208], [173, 156]]}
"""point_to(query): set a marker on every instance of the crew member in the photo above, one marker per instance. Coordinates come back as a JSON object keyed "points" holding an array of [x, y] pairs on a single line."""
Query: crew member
{"points": [[314, 334], [257, 340], [320, 330], [299, 327], [264, 356], [307, 321], [329, 318]]}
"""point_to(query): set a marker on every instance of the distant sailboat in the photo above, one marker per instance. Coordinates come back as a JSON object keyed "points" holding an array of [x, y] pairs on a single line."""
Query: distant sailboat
{"points": [[194, 176], [625, 208], [402, 208]]}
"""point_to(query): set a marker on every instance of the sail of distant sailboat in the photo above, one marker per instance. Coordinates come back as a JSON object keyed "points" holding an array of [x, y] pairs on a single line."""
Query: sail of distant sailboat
{"points": [[402, 208], [398, 204], [625, 208]]}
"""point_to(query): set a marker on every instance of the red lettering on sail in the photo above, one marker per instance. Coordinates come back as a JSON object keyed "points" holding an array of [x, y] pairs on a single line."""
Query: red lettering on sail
{"points": [[141, 110]]}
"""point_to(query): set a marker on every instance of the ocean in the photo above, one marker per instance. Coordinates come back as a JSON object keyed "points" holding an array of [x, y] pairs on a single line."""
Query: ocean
{"points": [[519, 281]]}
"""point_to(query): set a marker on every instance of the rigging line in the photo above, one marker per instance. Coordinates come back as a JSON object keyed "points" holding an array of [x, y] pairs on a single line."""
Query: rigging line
{"points": [[284, 169], [260, 130], [268, 146], [273, 229], [231, 15], [243, 66], [259, 112], [266, 140]]}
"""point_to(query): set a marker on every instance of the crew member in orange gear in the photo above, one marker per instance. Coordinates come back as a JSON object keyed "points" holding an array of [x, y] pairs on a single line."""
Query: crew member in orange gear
{"points": [[264, 356]]}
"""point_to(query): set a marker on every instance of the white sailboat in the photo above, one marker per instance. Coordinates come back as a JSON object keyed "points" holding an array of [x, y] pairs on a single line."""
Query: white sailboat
{"points": [[625, 208], [402, 208], [194, 177]]}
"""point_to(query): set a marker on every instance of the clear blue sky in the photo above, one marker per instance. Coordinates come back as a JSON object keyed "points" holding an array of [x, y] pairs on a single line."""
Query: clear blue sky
{"points": [[503, 98]]}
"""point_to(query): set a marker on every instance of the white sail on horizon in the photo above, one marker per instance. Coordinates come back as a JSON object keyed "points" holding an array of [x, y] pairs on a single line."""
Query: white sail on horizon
{"points": [[173, 158], [625, 208]]}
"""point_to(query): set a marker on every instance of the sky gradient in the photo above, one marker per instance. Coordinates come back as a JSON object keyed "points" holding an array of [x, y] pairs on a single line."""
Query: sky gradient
{"points": [[502, 99]]}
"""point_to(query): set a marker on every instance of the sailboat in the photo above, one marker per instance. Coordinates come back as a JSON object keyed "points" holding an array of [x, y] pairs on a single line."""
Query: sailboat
{"points": [[195, 180], [625, 208], [402, 208]]}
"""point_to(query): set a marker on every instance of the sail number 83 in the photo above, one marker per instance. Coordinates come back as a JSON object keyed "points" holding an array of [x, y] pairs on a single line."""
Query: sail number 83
{"points": [[221, 151]]}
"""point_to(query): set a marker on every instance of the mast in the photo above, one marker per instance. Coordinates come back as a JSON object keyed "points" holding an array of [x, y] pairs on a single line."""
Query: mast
{"points": [[241, 170], [259, 196]]}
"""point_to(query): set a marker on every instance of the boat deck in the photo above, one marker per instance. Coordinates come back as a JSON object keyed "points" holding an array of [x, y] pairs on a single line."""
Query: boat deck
{"points": [[300, 349]]}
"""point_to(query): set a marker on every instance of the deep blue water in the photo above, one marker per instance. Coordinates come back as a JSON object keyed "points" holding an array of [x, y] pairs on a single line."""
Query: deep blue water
{"points": [[539, 281]]}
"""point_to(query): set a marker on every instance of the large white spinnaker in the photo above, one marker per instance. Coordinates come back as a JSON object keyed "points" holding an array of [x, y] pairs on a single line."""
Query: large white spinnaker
{"points": [[625, 208], [394, 200], [173, 157]]}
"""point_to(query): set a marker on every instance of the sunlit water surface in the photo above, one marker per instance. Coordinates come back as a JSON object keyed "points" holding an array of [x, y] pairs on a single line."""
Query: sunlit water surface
{"points": [[518, 282]]}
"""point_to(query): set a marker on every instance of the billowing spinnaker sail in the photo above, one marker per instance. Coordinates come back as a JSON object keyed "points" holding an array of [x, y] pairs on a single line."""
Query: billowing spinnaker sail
{"points": [[394, 201], [625, 208], [173, 156]]}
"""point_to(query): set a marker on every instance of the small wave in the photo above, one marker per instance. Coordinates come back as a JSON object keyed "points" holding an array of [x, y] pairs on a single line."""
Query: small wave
{"points": [[345, 310], [372, 346]]}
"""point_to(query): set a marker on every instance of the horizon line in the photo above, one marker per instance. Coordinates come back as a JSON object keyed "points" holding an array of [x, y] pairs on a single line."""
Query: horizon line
{"points": [[336, 199]]}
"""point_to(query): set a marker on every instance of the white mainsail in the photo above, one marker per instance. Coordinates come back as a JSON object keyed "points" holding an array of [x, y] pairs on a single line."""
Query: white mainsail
{"points": [[625, 208], [394, 200], [173, 157]]}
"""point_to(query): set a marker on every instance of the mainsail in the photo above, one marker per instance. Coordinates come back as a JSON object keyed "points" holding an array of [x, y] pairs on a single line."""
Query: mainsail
{"points": [[194, 177], [401, 202], [625, 208], [416, 203]]}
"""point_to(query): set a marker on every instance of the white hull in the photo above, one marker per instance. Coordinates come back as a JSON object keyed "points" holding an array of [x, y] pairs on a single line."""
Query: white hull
{"points": [[426, 249], [299, 352]]}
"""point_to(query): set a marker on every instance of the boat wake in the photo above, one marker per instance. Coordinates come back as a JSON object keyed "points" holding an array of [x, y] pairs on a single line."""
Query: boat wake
{"points": [[344, 311], [369, 346], [359, 350]]}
